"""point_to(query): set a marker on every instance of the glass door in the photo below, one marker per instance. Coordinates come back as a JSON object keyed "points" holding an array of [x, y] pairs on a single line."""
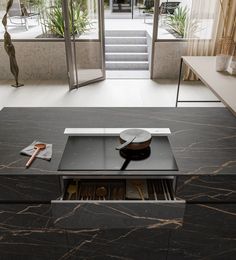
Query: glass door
{"points": [[118, 9], [84, 41], [121, 6], [127, 9]]}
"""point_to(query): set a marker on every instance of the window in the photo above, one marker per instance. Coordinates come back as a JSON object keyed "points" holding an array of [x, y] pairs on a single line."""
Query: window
{"points": [[40, 19], [186, 19]]}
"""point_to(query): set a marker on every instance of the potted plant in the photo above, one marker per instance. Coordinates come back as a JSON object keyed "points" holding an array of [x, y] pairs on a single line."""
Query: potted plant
{"points": [[179, 22], [78, 19]]}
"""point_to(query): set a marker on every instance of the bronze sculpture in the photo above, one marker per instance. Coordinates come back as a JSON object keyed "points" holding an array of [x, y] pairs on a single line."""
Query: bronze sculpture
{"points": [[9, 48]]}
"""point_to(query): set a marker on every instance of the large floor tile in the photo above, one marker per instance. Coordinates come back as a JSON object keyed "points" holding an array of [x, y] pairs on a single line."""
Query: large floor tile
{"points": [[107, 93]]}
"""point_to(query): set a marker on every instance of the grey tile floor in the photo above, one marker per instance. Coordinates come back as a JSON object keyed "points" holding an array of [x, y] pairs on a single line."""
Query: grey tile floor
{"points": [[108, 93]]}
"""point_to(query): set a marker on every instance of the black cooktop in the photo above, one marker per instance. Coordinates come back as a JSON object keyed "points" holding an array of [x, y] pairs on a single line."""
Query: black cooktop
{"points": [[89, 153]]}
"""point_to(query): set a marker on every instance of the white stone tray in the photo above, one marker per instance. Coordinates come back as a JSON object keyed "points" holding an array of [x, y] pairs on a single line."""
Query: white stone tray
{"points": [[112, 131]]}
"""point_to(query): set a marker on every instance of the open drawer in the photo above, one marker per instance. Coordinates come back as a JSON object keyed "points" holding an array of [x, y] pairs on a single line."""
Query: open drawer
{"points": [[118, 204]]}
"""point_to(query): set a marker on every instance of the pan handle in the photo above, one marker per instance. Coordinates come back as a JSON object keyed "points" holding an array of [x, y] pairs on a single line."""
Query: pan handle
{"points": [[125, 164], [122, 146]]}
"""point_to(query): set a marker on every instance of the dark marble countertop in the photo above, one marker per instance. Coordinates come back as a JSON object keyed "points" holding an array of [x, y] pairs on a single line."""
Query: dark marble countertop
{"points": [[203, 139]]}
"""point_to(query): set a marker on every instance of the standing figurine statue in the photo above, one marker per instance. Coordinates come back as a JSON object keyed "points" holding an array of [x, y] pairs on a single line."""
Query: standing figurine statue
{"points": [[9, 47]]}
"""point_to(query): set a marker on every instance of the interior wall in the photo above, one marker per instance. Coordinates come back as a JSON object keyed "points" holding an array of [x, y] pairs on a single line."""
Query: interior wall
{"points": [[167, 55], [47, 60]]}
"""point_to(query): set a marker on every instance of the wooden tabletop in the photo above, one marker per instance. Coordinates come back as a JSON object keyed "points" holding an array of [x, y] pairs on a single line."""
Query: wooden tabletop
{"points": [[203, 139], [222, 84]]}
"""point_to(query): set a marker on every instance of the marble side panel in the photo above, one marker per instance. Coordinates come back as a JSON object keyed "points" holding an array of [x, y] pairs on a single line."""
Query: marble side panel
{"points": [[105, 215], [29, 188], [208, 233], [26, 233], [135, 244], [207, 188]]}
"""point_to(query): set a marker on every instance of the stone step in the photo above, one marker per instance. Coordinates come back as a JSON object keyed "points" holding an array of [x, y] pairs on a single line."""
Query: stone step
{"points": [[140, 48], [121, 56], [123, 33], [127, 74], [125, 40], [127, 65]]}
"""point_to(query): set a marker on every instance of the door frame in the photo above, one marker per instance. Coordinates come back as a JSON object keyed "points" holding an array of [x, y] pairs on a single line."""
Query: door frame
{"points": [[154, 34], [70, 49]]}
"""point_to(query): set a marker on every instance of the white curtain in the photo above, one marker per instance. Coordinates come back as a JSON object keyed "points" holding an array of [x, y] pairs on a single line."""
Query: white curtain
{"points": [[226, 33], [211, 28], [202, 27]]}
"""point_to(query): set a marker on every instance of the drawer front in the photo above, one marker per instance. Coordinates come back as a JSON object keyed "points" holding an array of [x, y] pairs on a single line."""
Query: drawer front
{"points": [[29, 188], [207, 188], [119, 214]]}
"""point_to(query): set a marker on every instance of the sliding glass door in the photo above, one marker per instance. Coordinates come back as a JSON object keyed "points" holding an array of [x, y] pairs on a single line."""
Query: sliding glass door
{"points": [[84, 41]]}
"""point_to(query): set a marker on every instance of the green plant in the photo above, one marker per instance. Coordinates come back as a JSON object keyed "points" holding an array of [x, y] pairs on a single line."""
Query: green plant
{"points": [[106, 4], [78, 20], [179, 22], [32, 2]]}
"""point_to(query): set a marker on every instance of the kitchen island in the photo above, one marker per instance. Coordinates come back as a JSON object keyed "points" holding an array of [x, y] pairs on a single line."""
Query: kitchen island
{"points": [[203, 141]]}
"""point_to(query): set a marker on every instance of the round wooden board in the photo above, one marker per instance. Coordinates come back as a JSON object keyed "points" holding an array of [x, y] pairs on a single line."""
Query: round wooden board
{"points": [[141, 135]]}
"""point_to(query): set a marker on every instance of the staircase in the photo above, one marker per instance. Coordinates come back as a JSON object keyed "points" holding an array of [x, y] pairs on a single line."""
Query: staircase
{"points": [[126, 50]]}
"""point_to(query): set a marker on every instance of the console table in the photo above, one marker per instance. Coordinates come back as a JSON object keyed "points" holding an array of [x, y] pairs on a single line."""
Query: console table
{"points": [[203, 142], [221, 84]]}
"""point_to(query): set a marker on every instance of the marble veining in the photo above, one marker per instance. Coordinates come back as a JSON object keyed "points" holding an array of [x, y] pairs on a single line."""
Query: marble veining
{"points": [[203, 140], [207, 188], [117, 215], [198, 238], [31, 227]]}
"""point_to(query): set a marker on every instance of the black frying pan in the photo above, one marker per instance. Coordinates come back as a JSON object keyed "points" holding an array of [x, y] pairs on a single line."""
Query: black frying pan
{"points": [[134, 155]]}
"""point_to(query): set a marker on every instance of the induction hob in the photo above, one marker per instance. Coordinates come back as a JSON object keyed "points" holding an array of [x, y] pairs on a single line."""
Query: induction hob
{"points": [[98, 153]]}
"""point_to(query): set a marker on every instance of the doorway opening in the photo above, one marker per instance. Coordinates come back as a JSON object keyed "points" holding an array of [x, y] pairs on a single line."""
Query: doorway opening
{"points": [[128, 38], [122, 50]]}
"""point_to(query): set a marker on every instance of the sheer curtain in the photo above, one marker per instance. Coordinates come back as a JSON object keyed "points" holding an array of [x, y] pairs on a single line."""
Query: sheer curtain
{"points": [[226, 33], [210, 28]]}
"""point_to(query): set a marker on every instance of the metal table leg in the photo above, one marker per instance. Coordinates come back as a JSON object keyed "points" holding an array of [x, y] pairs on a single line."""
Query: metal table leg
{"points": [[180, 74]]}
